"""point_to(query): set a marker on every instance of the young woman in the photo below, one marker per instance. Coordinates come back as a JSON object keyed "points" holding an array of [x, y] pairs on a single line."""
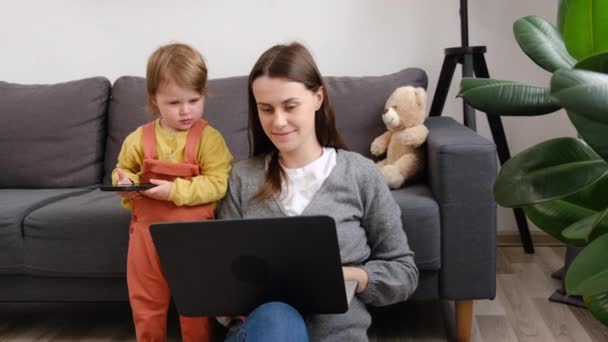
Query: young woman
{"points": [[299, 166]]}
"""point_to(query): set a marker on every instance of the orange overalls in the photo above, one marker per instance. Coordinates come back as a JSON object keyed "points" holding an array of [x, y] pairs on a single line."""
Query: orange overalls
{"points": [[148, 289]]}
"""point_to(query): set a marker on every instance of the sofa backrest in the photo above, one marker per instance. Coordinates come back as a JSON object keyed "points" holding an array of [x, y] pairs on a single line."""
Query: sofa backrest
{"points": [[225, 109], [53, 136], [358, 102], [125, 113]]}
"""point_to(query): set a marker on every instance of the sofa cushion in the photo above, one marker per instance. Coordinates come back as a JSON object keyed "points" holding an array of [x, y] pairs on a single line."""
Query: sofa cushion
{"points": [[127, 111], [359, 102], [52, 136], [85, 235], [15, 204], [420, 216], [226, 110]]}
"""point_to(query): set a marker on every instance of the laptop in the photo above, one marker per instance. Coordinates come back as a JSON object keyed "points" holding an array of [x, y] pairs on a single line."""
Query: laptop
{"points": [[230, 267]]}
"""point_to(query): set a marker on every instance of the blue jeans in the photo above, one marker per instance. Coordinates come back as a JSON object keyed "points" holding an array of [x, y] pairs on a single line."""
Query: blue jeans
{"points": [[271, 322]]}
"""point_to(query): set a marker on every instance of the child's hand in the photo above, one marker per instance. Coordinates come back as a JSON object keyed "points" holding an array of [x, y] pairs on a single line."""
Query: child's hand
{"points": [[124, 180], [161, 191]]}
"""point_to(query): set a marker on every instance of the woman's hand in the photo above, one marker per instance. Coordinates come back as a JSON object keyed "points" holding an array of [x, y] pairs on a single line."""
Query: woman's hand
{"points": [[358, 274], [161, 191], [227, 320], [124, 180]]}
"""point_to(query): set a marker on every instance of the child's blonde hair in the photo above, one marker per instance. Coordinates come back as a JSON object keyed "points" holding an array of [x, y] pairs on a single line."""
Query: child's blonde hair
{"points": [[179, 63]]}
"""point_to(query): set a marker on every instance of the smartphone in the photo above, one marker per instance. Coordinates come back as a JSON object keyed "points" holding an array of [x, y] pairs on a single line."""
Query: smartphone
{"points": [[132, 187]]}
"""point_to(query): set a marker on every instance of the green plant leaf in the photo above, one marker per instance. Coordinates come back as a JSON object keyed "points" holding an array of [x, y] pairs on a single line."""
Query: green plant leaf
{"points": [[552, 169], [596, 62], [588, 273], [588, 229], [556, 215], [506, 97], [542, 43], [586, 27], [583, 92], [598, 305], [594, 133], [562, 10]]}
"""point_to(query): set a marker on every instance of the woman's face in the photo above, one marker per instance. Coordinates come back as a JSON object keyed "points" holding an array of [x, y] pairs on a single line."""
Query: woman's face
{"points": [[287, 113]]}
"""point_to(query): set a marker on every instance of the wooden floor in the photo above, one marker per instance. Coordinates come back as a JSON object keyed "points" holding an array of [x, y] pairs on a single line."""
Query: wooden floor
{"points": [[520, 312]]}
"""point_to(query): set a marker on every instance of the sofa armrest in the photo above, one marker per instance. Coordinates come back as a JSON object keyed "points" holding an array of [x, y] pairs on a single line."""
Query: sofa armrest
{"points": [[461, 169]]}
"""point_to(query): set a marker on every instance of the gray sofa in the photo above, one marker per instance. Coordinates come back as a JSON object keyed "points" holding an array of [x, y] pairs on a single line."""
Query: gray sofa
{"points": [[61, 239]]}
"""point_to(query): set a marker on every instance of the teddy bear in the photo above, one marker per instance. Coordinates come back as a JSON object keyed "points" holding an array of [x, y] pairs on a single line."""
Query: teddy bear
{"points": [[403, 116]]}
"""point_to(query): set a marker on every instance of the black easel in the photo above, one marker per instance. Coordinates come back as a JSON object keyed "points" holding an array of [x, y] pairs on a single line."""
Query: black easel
{"points": [[474, 64], [560, 296]]}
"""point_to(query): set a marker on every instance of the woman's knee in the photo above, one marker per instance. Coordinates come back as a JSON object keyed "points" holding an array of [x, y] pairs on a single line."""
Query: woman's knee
{"points": [[279, 309], [278, 320]]}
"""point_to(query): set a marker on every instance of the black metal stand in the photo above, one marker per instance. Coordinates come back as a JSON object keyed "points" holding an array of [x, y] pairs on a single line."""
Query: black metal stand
{"points": [[560, 295], [474, 64]]}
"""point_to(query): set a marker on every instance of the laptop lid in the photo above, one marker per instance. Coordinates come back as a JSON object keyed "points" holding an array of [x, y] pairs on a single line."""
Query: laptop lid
{"points": [[229, 267]]}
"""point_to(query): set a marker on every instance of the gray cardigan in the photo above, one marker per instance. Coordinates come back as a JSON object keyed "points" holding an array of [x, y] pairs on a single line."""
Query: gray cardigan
{"points": [[370, 235]]}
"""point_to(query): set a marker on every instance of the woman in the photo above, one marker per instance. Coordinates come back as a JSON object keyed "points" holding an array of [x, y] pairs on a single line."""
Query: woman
{"points": [[299, 166]]}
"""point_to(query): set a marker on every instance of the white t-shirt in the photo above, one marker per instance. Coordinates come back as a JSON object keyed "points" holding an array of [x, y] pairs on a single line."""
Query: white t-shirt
{"points": [[304, 182]]}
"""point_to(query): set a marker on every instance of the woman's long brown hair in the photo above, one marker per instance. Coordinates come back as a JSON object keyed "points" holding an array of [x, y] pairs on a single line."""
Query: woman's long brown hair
{"points": [[292, 62]]}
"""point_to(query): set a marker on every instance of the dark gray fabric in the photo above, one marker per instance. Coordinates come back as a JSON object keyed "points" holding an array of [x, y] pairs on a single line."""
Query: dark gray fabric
{"points": [[428, 286], [462, 168], [17, 288], [226, 110], [359, 102], [85, 235], [52, 136], [126, 111], [15, 204], [420, 216]]}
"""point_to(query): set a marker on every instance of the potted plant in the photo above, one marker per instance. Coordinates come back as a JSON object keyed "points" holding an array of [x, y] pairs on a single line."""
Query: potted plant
{"points": [[562, 183]]}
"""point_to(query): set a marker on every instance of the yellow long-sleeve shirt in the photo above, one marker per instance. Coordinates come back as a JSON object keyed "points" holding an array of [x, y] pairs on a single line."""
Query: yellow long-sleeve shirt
{"points": [[213, 154]]}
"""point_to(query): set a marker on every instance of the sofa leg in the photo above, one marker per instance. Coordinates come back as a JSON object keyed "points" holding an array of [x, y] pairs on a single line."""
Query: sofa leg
{"points": [[464, 320]]}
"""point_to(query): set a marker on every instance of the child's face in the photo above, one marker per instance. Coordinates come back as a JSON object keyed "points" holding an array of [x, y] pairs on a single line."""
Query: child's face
{"points": [[179, 107], [287, 113]]}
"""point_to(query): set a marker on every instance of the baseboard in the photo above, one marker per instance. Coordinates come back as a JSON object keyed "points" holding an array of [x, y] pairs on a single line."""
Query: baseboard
{"points": [[506, 239]]}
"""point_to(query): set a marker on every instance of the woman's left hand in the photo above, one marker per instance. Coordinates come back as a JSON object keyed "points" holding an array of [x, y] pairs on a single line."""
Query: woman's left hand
{"points": [[358, 274], [161, 191]]}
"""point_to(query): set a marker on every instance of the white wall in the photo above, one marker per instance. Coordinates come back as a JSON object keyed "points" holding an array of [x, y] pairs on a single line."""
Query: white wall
{"points": [[60, 40]]}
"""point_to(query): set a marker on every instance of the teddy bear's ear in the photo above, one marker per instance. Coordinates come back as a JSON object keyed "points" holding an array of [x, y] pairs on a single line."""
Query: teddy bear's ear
{"points": [[420, 96]]}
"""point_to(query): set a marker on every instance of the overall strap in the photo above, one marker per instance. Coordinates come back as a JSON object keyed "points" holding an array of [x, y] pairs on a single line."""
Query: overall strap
{"points": [[192, 141], [149, 140]]}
